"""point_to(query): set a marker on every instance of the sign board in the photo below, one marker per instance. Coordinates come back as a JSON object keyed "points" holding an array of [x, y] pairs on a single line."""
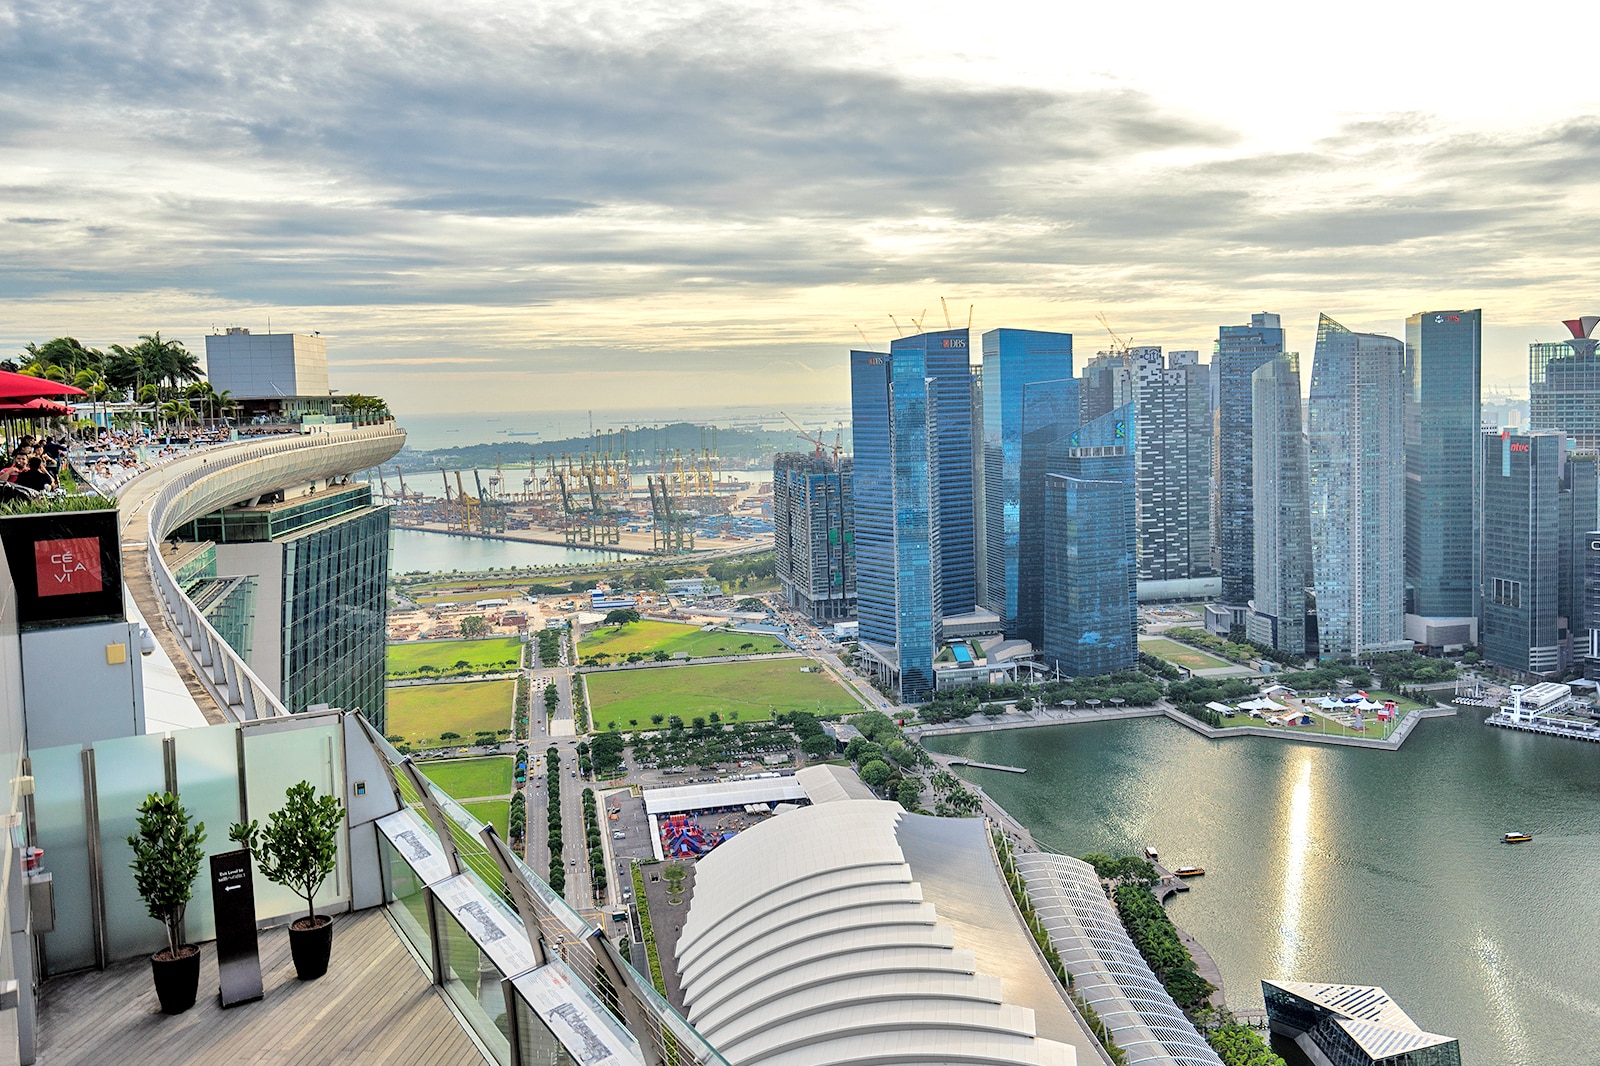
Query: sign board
{"points": [[67, 567], [233, 902], [498, 932], [590, 1033], [414, 839]]}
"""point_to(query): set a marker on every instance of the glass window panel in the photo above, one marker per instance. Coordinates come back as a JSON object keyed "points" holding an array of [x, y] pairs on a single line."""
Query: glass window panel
{"points": [[408, 902], [275, 759], [63, 834], [473, 983], [127, 769], [208, 781], [537, 1044]]}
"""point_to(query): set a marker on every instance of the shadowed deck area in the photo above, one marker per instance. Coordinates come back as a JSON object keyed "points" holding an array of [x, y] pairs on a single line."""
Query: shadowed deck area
{"points": [[373, 1006]]}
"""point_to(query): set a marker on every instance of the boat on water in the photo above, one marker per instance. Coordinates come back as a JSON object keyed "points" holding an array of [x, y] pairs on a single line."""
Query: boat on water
{"points": [[1151, 854], [1190, 871], [1517, 838]]}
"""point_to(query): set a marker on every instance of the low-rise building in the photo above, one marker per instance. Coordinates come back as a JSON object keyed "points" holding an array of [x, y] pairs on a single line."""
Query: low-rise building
{"points": [[1353, 1025]]}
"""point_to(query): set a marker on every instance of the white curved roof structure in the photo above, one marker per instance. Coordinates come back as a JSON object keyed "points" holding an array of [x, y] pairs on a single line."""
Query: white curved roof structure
{"points": [[809, 943], [1107, 970]]}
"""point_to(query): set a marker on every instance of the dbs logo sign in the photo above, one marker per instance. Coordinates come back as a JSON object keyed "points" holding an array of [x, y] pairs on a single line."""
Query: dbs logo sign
{"points": [[68, 567]]}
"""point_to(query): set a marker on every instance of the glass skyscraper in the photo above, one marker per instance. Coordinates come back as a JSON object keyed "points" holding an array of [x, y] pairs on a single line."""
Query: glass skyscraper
{"points": [[945, 359], [1357, 462], [1282, 513], [1091, 574], [1174, 459], [896, 511], [1564, 385], [1029, 396], [1241, 351], [814, 533], [1443, 427], [1521, 550]]}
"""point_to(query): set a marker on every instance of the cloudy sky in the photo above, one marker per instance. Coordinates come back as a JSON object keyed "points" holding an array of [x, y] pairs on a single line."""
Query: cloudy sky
{"points": [[515, 206]]}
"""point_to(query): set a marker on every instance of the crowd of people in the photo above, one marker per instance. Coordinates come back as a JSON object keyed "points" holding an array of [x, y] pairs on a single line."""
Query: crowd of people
{"points": [[33, 464], [111, 458]]}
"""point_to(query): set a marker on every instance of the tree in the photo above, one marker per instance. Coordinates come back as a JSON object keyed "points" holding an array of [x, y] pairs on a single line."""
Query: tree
{"points": [[474, 626], [620, 617], [817, 746], [166, 861], [876, 774], [300, 843], [909, 793], [750, 603]]}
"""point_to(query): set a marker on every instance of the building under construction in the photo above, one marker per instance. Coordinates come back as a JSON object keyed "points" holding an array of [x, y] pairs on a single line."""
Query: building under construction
{"points": [[814, 533]]}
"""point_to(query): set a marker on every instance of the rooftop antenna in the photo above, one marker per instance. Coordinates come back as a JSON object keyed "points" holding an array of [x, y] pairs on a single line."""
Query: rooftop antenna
{"points": [[946, 310], [898, 331]]}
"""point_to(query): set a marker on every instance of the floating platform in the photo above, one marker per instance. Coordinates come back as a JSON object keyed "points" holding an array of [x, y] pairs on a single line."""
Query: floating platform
{"points": [[988, 766]]}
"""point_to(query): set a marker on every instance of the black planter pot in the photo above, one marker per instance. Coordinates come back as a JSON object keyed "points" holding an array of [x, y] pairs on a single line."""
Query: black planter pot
{"points": [[311, 945], [177, 980]]}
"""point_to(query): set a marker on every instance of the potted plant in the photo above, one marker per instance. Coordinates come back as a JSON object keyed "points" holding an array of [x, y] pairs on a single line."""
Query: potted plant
{"points": [[166, 861], [298, 849]]}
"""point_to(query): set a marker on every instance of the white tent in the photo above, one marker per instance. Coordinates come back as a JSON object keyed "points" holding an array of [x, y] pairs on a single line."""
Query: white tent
{"points": [[1262, 704]]}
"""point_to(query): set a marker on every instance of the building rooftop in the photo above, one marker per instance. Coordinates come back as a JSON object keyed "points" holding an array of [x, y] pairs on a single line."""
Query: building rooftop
{"points": [[1372, 1019]]}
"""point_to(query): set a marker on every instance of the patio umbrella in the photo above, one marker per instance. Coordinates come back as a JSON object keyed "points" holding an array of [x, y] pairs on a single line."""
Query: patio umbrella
{"points": [[19, 387]]}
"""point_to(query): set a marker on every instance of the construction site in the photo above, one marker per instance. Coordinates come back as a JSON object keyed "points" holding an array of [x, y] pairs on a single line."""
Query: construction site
{"points": [[608, 496]]}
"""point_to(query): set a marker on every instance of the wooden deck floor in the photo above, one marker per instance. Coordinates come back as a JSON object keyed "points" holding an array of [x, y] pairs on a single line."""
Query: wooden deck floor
{"points": [[374, 1005]]}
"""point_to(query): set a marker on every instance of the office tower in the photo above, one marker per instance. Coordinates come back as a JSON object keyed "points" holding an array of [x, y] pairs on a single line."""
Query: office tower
{"points": [[1521, 564], [980, 536], [1564, 385], [1281, 506], [1091, 574], [312, 609], [1357, 462], [1106, 385], [1579, 512], [1443, 426], [1241, 351], [895, 503], [1174, 460], [271, 376], [946, 361], [1029, 395], [1588, 639], [814, 533]]}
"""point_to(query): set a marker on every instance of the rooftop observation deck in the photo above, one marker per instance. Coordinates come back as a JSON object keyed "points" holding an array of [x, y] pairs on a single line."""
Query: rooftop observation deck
{"points": [[375, 1005]]}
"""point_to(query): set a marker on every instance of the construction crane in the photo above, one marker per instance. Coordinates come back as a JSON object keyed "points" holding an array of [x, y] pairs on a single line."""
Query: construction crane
{"points": [[817, 442], [491, 510], [1118, 345], [468, 505], [672, 529]]}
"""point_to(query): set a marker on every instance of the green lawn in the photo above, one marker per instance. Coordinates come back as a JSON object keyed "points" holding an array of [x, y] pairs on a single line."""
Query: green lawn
{"points": [[649, 636], [491, 653], [753, 689], [419, 713], [469, 778], [1182, 654], [1376, 730], [496, 812]]}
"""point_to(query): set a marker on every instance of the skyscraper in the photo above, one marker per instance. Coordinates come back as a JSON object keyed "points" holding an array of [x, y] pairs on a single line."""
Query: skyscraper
{"points": [[1022, 369], [1174, 464], [1357, 463], [895, 504], [1241, 351], [1564, 385], [1443, 475], [1579, 513], [1521, 550], [1091, 573], [1106, 385], [1282, 509], [814, 533], [946, 360]]}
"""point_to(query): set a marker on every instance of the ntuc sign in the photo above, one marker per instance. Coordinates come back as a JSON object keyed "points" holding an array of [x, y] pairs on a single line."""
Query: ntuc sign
{"points": [[1519, 446]]}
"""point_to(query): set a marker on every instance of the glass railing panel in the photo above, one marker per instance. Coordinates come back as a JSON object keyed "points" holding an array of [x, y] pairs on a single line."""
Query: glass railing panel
{"points": [[127, 770], [277, 757], [62, 831], [472, 982], [208, 782], [408, 902], [561, 1020]]}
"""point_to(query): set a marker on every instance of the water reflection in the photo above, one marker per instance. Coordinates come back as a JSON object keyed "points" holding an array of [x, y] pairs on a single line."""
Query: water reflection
{"points": [[1287, 955]]}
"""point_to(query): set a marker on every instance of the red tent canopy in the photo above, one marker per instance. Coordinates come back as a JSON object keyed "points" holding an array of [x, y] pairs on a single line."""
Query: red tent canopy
{"points": [[36, 408], [17, 387]]}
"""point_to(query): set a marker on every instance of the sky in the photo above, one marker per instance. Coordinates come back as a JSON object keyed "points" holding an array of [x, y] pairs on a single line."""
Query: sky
{"points": [[507, 206]]}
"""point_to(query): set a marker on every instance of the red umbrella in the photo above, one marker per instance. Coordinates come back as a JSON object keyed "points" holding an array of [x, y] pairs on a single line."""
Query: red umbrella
{"points": [[17, 387]]}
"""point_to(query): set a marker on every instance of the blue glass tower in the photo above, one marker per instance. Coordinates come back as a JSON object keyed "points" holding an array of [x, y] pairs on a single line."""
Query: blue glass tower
{"points": [[896, 516], [1091, 572], [1241, 351], [945, 359], [1030, 401]]}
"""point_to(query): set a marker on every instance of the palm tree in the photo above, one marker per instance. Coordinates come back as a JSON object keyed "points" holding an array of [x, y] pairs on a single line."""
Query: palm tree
{"points": [[157, 360]]}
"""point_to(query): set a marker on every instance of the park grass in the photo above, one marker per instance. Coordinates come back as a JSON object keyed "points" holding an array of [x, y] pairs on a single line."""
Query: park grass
{"points": [[496, 812], [754, 689], [1182, 654], [464, 779], [489, 654], [419, 713], [648, 636]]}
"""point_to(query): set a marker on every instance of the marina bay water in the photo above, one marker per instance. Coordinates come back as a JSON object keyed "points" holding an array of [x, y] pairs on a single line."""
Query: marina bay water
{"points": [[412, 550], [1349, 865]]}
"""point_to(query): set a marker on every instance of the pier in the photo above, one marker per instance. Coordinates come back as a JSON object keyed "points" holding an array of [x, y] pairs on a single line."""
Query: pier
{"points": [[1574, 731], [988, 766]]}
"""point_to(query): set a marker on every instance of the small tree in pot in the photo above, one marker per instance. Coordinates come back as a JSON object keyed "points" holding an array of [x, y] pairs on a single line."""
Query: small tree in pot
{"points": [[298, 849], [166, 860]]}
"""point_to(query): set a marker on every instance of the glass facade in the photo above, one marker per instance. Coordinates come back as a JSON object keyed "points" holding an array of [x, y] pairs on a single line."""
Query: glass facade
{"points": [[1240, 352], [1282, 509], [1443, 421], [945, 359], [1579, 513], [814, 533], [1521, 550], [1357, 478], [1028, 394], [1564, 386], [1174, 459], [1297, 1015], [1091, 577]]}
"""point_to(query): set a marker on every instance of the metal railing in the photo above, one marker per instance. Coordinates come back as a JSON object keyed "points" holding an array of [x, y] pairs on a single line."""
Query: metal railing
{"points": [[228, 475]]}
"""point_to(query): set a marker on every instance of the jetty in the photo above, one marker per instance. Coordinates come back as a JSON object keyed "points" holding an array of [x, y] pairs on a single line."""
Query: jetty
{"points": [[988, 766]]}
